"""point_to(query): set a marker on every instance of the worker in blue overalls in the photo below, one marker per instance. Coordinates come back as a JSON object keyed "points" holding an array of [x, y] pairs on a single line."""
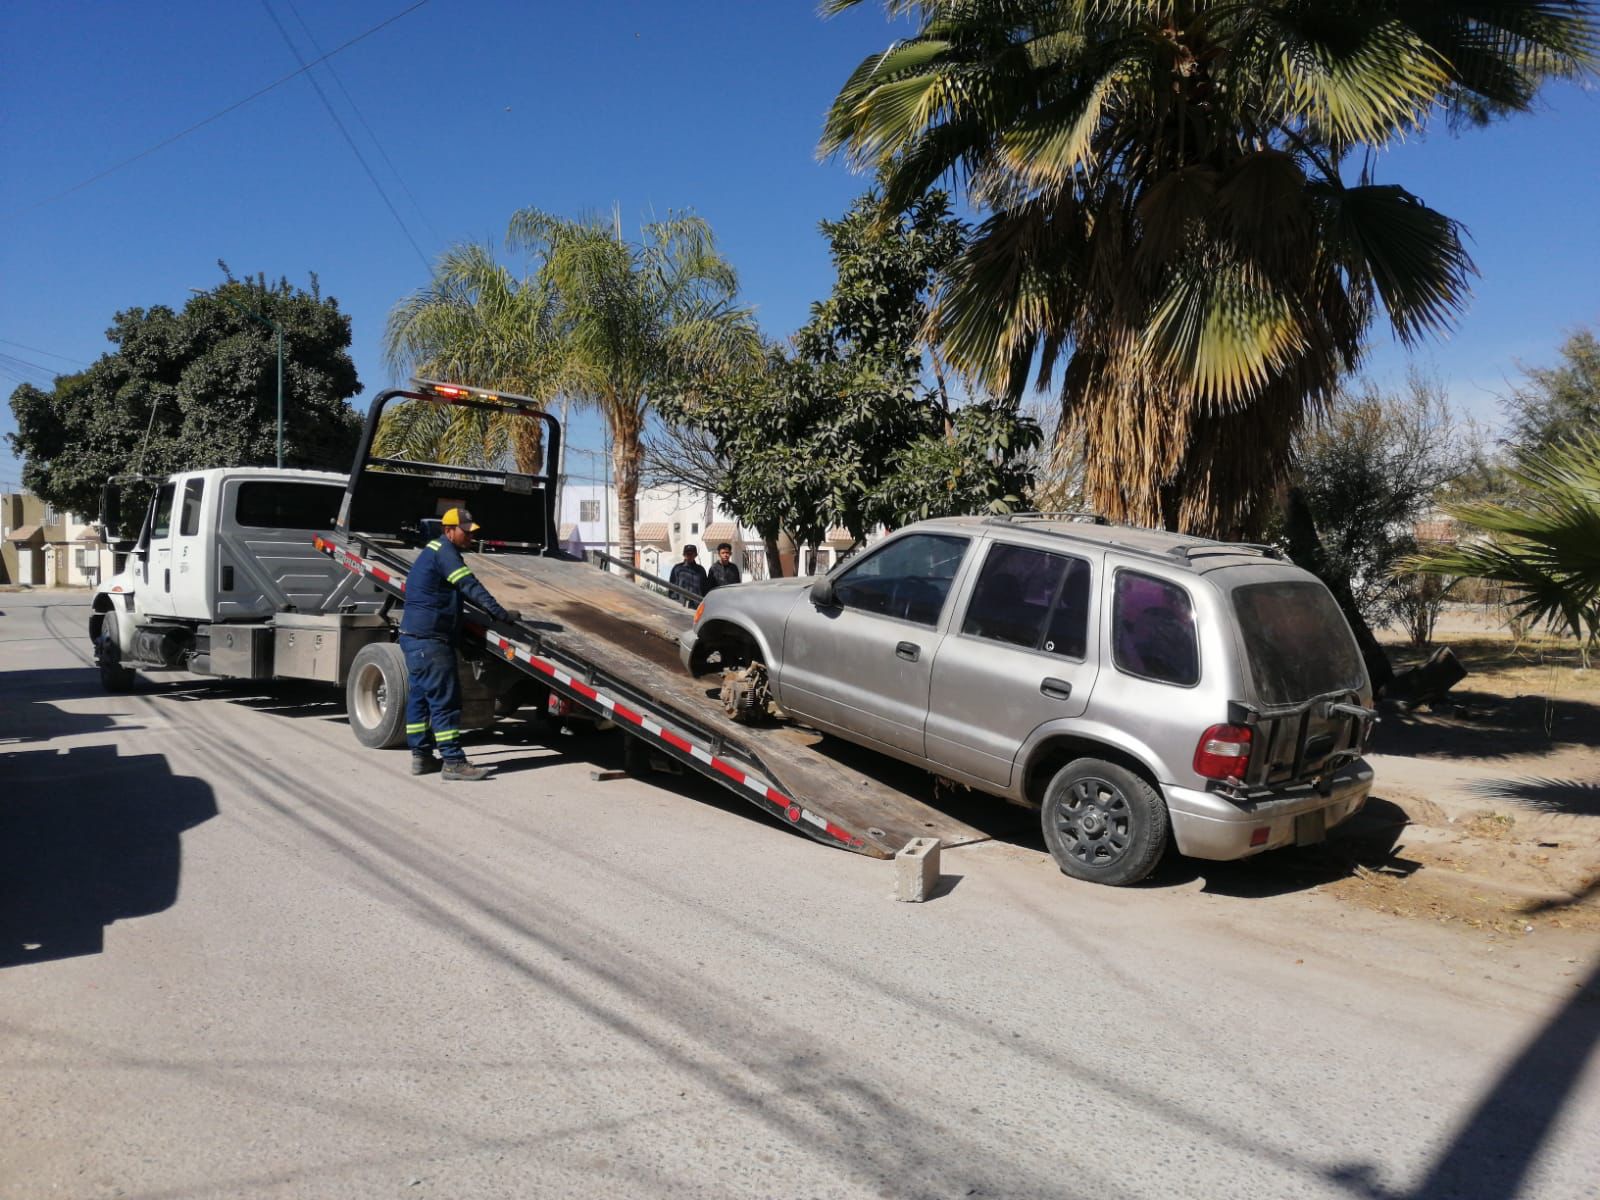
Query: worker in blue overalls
{"points": [[436, 587]]}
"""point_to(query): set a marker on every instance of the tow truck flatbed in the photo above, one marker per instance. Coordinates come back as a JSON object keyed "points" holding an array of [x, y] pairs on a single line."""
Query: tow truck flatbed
{"points": [[610, 646]]}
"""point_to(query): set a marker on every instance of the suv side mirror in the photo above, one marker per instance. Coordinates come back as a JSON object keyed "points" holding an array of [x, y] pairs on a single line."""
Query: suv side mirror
{"points": [[822, 593]]}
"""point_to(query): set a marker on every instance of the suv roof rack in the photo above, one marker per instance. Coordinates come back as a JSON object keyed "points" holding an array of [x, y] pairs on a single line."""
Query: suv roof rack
{"points": [[1092, 518], [1200, 549]]}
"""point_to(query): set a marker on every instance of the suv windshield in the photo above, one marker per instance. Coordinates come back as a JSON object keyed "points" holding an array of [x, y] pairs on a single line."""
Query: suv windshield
{"points": [[1298, 641]]}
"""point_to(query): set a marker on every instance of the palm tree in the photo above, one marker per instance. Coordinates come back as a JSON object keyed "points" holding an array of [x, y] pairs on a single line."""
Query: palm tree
{"points": [[635, 320], [475, 323], [1544, 543], [1183, 213]]}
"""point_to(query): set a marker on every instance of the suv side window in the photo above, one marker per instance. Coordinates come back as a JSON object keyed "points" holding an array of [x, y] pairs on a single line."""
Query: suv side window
{"points": [[1033, 599], [1153, 630], [909, 578]]}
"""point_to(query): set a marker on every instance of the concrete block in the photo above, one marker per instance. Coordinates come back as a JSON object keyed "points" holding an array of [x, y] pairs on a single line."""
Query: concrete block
{"points": [[607, 776], [916, 870]]}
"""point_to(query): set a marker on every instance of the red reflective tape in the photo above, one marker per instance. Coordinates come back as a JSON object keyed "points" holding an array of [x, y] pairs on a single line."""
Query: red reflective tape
{"points": [[731, 772], [676, 742], [848, 838], [380, 573], [627, 714], [583, 689]]}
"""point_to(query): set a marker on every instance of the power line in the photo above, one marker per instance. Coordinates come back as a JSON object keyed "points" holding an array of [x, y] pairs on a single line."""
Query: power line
{"points": [[216, 116], [360, 116], [35, 350], [345, 133]]}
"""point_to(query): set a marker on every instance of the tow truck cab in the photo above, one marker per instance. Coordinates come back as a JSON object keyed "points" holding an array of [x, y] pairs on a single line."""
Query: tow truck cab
{"points": [[224, 562]]}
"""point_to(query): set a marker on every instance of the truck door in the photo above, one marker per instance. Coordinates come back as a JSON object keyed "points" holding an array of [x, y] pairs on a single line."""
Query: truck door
{"points": [[155, 575], [1018, 657], [863, 665], [191, 554]]}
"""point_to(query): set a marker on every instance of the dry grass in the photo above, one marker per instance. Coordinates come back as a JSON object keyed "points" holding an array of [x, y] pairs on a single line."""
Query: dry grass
{"points": [[1537, 665]]}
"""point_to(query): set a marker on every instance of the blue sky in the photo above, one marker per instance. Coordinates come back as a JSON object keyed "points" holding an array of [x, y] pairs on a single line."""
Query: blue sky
{"points": [[485, 107]]}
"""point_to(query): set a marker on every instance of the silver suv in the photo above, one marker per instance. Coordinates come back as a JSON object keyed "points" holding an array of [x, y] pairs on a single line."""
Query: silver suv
{"points": [[1132, 684]]}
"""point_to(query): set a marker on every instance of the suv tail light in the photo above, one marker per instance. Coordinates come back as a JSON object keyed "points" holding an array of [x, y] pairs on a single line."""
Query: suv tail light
{"points": [[1223, 752]]}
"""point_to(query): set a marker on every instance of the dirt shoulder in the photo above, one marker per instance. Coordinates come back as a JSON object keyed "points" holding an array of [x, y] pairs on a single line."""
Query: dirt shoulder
{"points": [[1497, 792]]}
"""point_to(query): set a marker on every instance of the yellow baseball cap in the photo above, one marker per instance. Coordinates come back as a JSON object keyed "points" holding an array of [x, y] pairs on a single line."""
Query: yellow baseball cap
{"points": [[459, 516]]}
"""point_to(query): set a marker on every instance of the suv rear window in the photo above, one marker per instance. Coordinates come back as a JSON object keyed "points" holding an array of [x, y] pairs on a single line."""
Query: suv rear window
{"points": [[1154, 630], [268, 504], [1298, 641]]}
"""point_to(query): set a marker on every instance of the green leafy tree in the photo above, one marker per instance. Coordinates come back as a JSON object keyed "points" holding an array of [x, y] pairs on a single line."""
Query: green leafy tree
{"points": [[1544, 543], [195, 388], [1184, 225], [1557, 404], [841, 429]]}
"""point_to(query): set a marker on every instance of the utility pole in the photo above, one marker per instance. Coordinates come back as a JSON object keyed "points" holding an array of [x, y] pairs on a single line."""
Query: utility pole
{"points": [[276, 329]]}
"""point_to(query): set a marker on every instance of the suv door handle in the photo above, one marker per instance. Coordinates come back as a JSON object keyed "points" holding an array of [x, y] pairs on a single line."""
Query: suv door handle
{"points": [[1056, 689], [908, 651]]}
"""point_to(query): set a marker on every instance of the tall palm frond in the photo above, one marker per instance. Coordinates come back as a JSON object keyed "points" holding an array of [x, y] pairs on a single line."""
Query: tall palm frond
{"points": [[474, 323], [1545, 544], [1173, 237], [636, 320]]}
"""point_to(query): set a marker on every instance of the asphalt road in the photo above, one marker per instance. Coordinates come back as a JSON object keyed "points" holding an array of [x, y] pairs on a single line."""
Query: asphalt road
{"points": [[242, 956]]}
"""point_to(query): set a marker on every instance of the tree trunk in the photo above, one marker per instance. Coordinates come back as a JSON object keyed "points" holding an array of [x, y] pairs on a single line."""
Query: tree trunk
{"points": [[1305, 547], [769, 538], [625, 459], [527, 443]]}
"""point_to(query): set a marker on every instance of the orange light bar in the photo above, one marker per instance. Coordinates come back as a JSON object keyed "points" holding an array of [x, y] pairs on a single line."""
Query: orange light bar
{"points": [[455, 391]]}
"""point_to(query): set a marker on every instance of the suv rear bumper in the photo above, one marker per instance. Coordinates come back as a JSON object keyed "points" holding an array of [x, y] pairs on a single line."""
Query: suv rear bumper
{"points": [[1207, 825]]}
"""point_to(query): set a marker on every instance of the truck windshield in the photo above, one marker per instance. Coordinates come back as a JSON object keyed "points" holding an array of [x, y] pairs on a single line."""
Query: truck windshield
{"points": [[1298, 641], [269, 504]]}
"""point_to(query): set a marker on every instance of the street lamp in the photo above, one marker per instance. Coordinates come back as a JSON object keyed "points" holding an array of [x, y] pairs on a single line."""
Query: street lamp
{"points": [[277, 329]]}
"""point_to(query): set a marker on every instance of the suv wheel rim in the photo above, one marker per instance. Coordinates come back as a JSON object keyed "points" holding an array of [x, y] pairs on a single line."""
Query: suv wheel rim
{"points": [[1095, 822]]}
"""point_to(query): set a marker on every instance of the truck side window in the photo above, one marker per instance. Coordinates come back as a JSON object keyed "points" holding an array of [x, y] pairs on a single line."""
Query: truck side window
{"points": [[1031, 598], [1154, 634], [162, 525], [189, 524], [909, 578]]}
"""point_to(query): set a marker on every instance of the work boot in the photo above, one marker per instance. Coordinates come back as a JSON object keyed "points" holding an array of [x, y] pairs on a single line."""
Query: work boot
{"points": [[423, 763], [460, 768]]}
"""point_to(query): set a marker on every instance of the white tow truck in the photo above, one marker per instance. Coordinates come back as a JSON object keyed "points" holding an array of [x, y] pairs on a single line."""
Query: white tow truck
{"points": [[224, 580]]}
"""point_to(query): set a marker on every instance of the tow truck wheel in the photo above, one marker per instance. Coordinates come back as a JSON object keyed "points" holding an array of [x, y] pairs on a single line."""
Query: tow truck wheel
{"points": [[375, 696], [1103, 823], [114, 677]]}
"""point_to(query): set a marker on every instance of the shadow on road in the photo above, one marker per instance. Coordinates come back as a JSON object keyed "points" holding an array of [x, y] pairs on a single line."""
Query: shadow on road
{"points": [[88, 837], [1580, 797], [1491, 1154]]}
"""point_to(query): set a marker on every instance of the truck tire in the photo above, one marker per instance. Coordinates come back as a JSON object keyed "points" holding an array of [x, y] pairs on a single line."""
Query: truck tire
{"points": [[1104, 823], [114, 677], [375, 696]]}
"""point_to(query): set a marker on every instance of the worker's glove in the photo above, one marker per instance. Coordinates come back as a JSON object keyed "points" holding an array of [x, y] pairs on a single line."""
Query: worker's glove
{"points": [[513, 615]]}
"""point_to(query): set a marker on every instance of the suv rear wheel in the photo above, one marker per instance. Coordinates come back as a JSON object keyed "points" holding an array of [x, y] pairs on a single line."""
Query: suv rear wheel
{"points": [[1103, 823]]}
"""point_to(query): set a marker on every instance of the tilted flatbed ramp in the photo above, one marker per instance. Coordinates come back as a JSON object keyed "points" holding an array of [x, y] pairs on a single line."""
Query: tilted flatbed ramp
{"points": [[611, 646]]}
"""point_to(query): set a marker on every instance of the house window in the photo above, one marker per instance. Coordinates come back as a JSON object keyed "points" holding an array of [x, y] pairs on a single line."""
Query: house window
{"points": [[49, 514], [677, 527], [695, 527], [82, 557], [588, 510]]}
